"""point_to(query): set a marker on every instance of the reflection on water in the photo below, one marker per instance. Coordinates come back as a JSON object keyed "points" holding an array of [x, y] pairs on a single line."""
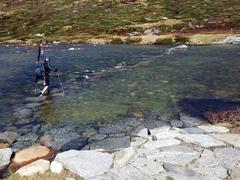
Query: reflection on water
{"points": [[151, 80]]}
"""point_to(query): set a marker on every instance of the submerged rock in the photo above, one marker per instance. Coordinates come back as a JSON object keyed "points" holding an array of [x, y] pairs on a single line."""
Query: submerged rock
{"points": [[23, 113], [110, 144], [8, 137], [37, 167], [86, 164], [5, 155]]}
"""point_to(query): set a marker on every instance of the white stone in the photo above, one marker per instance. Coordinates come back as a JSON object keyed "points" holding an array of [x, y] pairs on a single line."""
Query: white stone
{"points": [[162, 129], [231, 40], [143, 133], [200, 140], [86, 164], [122, 157], [214, 129], [161, 143], [176, 123], [177, 155], [148, 166], [228, 157], [207, 159], [168, 134], [5, 155], [39, 166], [229, 138], [189, 121], [137, 142], [56, 167], [130, 172], [216, 171]]}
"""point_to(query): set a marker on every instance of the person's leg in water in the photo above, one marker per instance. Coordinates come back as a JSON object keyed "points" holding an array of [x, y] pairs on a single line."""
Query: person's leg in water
{"points": [[46, 85]]}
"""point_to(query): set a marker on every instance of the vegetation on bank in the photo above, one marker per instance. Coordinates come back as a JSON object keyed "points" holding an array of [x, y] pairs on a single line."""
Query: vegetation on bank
{"points": [[79, 21]]}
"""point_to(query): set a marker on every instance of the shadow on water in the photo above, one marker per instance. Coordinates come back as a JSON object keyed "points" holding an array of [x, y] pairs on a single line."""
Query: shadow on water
{"points": [[198, 107]]}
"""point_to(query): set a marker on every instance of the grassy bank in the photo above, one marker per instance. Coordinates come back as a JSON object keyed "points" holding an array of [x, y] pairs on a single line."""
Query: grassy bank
{"points": [[101, 21]]}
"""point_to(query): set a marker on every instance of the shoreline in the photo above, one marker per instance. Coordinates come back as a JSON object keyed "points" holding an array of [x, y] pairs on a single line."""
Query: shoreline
{"points": [[189, 38]]}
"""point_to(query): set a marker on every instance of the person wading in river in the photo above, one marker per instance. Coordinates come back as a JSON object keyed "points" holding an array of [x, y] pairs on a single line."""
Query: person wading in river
{"points": [[42, 72]]}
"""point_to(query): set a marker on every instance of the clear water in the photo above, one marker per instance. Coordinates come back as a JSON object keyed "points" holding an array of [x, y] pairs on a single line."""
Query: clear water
{"points": [[196, 80]]}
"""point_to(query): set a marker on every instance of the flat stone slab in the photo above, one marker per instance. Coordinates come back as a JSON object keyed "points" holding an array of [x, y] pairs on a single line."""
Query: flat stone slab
{"points": [[130, 172], [200, 140], [150, 167], [194, 130], [228, 157], [176, 123], [229, 138], [86, 164], [37, 167], [122, 157], [30, 154], [214, 129], [161, 143], [177, 155], [5, 155]]}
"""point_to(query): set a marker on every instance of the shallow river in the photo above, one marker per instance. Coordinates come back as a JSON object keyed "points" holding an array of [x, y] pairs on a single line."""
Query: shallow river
{"points": [[147, 79]]}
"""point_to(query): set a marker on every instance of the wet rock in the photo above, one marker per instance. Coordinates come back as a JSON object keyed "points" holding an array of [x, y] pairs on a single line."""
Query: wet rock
{"points": [[8, 137], [17, 146], [177, 48], [56, 167], [23, 113], [176, 123], [111, 144], [85, 163], [201, 140], [214, 129], [228, 157], [59, 137], [136, 130], [36, 99], [111, 129], [30, 154], [122, 157], [154, 124], [89, 132], [178, 169], [189, 121], [5, 155], [233, 139], [97, 137], [28, 137], [32, 105], [75, 144], [36, 129], [161, 143], [37, 167]]}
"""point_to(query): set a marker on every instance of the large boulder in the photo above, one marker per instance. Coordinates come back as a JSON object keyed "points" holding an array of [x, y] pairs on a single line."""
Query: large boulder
{"points": [[31, 154], [37, 167], [86, 164], [5, 155]]}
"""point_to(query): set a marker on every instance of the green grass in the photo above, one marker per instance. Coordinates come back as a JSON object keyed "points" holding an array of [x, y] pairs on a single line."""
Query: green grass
{"points": [[69, 19]]}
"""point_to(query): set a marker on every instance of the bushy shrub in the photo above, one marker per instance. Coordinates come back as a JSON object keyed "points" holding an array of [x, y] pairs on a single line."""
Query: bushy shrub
{"points": [[181, 39], [164, 41], [117, 41], [133, 40]]}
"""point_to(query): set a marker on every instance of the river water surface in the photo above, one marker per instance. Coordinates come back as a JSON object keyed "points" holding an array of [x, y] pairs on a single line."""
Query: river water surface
{"points": [[146, 80]]}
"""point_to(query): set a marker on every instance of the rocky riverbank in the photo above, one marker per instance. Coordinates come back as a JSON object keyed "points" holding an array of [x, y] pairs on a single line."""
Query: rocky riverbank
{"points": [[177, 149]]}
